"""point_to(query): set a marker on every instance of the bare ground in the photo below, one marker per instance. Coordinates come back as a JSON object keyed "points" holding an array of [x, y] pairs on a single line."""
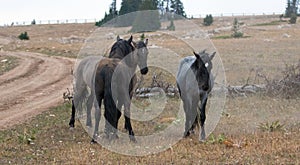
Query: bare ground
{"points": [[32, 87]]}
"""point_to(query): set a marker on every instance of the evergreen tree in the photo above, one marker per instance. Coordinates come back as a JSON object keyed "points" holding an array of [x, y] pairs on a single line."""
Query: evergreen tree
{"points": [[177, 8], [128, 6], [208, 20], [113, 13], [292, 7]]}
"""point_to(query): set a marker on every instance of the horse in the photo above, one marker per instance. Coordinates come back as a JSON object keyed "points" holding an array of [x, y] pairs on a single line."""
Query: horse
{"points": [[85, 75], [193, 84], [207, 59], [114, 85]]}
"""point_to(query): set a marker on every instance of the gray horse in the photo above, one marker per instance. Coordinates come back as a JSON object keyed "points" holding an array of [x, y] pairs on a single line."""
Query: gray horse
{"points": [[207, 59], [194, 83], [84, 77]]}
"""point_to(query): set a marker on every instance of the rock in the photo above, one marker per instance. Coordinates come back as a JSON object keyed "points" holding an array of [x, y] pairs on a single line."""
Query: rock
{"points": [[286, 35]]}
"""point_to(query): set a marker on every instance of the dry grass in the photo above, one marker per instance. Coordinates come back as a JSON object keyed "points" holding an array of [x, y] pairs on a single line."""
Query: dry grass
{"points": [[52, 142], [267, 50], [7, 63]]}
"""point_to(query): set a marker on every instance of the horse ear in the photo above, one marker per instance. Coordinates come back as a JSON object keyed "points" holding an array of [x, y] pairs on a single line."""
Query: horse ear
{"points": [[146, 42], [212, 56], [134, 44], [130, 39], [118, 38], [197, 55]]}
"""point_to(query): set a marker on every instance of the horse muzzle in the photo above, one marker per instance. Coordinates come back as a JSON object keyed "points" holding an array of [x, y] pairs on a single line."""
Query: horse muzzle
{"points": [[205, 87], [144, 71]]}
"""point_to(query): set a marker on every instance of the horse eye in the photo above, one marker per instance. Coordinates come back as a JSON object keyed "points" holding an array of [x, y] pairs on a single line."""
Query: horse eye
{"points": [[206, 65]]}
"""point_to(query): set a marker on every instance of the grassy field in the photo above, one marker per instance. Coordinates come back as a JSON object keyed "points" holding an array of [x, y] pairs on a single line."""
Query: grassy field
{"points": [[241, 136], [47, 139]]}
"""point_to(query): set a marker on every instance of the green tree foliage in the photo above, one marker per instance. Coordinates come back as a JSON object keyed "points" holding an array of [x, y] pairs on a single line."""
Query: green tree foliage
{"points": [[236, 29], [292, 7], [293, 18], [33, 22], [23, 36], [113, 13], [171, 27], [208, 20], [177, 8], [128, 6]]}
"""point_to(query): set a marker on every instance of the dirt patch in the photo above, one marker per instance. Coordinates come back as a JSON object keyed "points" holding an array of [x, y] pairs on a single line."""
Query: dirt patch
{"points": [[32, 87]]}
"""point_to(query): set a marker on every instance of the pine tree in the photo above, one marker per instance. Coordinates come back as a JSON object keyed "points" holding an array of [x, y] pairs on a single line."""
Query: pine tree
{"points": [[113, 13], [177, 8], [128, 6], [292, 7]]}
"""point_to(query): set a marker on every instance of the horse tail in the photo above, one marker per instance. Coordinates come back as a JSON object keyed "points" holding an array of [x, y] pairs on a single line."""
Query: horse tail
{"points": [[109, 103]]}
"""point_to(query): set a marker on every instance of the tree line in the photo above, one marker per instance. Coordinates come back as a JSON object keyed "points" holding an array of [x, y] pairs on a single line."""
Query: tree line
{"points": [[129, 6]]}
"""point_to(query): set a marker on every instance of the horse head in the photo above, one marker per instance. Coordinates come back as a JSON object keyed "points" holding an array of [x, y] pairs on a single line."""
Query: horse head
{"points": [[142, 55], [207, 59], [201, 73], [121, 48]]}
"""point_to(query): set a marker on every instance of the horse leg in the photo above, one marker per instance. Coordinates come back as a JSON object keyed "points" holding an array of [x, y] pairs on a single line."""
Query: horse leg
{"points": [[128, 122], [119, 113], [202, 134], [133, 81], [72, 120], [89, 106], [192, 130], [97, 119], [98, 99], [188, 117], [76, 105]]}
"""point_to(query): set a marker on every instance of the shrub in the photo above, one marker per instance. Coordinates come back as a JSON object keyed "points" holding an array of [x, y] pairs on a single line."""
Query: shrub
{"points": [[208, 20], [274, 126], [23, 36], [171, 27], [33, 22], [293, 18], [287, 86], [142, 37], [236, 29]]}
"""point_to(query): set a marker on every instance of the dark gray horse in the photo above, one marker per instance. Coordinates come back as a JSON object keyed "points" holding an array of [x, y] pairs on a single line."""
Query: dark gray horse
{"points": [[114, 85], [207, 59], [193, 82], [85, 75]]}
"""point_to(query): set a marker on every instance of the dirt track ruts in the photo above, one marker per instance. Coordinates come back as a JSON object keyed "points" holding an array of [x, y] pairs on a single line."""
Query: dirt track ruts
{"points": [[32, 87]]}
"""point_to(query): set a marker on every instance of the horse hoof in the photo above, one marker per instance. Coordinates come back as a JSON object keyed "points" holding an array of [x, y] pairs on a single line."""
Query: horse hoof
{"points": [[89, 124], [186, 134], [202, 140], [132, 139], [192, 131], [71, 128], [93, 141]]}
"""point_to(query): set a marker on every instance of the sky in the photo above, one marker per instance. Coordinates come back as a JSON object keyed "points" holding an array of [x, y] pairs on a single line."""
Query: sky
{"points": [[27, 10]]}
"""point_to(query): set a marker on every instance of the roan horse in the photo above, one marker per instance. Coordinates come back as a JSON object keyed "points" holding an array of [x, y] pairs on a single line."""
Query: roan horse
{"points": [[85, 76], [114, 85], [193, 82], [207, 59]]}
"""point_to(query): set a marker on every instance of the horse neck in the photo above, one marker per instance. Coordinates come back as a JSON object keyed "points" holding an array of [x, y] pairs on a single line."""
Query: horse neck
{"points": [[131, 61], [117, 54]]}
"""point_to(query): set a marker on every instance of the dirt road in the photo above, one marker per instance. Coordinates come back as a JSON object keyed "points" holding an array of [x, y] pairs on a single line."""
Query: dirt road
{"points": [[34, 86]]}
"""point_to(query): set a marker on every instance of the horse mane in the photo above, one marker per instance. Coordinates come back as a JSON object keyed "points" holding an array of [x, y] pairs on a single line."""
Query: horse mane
{"points": [[120, 49]]}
